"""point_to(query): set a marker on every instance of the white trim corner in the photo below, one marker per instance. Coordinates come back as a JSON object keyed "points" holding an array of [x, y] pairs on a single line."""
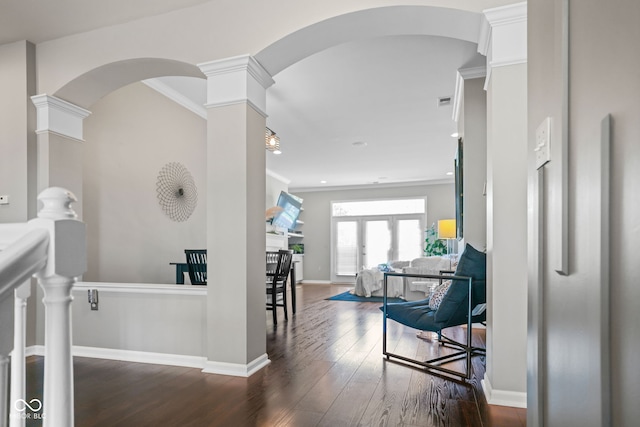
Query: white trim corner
{"points": [[236, 369], [515, 399]]}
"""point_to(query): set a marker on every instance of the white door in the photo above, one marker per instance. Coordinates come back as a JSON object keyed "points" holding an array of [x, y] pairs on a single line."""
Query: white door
{"points": [[365, 242], [376, 245]]}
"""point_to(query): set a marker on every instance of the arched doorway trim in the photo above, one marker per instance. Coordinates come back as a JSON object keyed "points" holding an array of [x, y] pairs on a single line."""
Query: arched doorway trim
{"points": [[88, 88], [378, 22]]}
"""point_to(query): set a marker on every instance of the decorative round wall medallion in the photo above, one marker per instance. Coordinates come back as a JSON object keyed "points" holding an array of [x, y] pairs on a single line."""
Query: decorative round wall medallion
{"points": [[177, 192]]}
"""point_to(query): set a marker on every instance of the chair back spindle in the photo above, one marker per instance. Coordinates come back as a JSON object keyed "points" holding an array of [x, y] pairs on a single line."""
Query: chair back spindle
{"points": [[197, 265]]}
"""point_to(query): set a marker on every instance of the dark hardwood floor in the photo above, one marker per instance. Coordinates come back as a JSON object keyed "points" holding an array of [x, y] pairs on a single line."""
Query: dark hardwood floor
{"points": [[326, 369]]}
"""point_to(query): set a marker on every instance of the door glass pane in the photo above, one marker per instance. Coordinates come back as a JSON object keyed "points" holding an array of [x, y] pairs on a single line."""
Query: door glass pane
{"points": [[409, 239], [377, 243], [346, 248]]}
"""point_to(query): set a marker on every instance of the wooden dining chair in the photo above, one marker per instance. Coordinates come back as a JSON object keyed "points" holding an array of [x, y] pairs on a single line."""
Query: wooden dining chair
{"points": [[278, 265], [197, 265]]}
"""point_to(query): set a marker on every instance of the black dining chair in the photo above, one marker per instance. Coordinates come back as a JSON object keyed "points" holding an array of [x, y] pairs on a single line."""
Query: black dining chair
{"points": [[278, 265], [197, 265]]}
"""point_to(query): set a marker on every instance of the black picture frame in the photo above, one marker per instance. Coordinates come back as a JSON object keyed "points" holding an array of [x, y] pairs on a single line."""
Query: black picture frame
{"points": [[458, 167]]}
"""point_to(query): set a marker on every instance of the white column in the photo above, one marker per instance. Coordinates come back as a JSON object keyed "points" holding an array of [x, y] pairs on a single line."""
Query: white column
{"points": [[18, 369], [60, 137], [66, 261], [506, 371], [236, 119]]}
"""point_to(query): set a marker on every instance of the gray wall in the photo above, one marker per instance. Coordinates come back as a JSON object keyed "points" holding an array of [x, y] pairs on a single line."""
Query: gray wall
{"points": [[131, 134], [317, 218], [604, 79], [474, 134], [155, 323], [17, 136]]}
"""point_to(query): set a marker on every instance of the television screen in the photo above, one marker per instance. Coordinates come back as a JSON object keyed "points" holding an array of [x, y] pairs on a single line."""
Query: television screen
{"points": [[290, 212]]}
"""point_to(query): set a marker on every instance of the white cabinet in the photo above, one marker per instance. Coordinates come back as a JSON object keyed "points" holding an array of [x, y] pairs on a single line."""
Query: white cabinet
{"points": [[275, 242], [298, 264]]}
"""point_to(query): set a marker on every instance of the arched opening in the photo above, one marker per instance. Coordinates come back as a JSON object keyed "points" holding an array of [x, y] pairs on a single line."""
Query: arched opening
{"points": [[91, 86]]}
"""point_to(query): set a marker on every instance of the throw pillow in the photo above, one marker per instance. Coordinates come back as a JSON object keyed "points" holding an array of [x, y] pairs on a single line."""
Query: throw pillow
{"points": [[438, 294]]}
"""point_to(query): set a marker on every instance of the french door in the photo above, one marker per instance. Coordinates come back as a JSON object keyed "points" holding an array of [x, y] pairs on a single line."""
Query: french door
{"points": [[360, 243]]}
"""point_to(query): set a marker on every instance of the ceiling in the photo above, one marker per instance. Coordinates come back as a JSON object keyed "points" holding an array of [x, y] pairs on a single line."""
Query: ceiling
{"points": [[363, 113]]}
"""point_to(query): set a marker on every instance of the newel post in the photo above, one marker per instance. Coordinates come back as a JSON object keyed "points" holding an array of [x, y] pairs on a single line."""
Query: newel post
{"points": [[66, 261]]}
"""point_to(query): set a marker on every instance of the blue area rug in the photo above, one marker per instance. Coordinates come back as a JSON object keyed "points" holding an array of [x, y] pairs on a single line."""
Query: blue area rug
{"points": [[347, 296]]}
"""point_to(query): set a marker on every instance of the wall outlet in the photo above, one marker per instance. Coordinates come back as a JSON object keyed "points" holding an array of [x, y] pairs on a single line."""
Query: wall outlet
{"points": [[543, 141], [4, 200]]}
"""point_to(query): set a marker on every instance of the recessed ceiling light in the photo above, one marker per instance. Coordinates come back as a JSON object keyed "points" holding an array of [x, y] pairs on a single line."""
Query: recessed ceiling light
{"points": [[277, 152], [323, 182], [454, 135], [449, 173], [359, 144]]}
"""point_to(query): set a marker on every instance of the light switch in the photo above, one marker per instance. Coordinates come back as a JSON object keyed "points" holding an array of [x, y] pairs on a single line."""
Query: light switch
{"points": [[543, 140], [4, 200]]}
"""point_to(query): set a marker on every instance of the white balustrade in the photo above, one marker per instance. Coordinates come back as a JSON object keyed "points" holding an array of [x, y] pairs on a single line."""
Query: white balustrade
{"points": [[18, 368], [53, 248]]}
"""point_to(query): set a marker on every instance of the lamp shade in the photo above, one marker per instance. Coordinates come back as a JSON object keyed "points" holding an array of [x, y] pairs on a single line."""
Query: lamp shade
{"points": [[447, 229]]}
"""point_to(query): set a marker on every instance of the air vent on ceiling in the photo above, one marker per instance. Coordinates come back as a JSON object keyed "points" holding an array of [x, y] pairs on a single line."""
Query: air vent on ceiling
{"points": [[443, 101]]}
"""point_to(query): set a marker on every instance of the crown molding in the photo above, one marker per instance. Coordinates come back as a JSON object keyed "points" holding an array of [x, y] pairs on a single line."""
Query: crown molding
{"points": [[371, 186], [505, 42], [506, 15], [176, 97], [473, 73], [484, 38], [59, 116], [279, 177], [235, 80], [462, 75]]}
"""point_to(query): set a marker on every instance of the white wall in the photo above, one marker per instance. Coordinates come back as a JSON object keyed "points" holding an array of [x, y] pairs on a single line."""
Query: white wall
{"points": [[317, 218], [131, 134], [603, 80]]}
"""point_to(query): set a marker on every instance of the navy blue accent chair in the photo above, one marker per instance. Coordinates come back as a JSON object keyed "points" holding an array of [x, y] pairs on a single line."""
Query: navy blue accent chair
{"points": [[461, 305]]}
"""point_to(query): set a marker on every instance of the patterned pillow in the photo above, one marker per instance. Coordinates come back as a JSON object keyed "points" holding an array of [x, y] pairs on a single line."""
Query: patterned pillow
{"points": [[438, 294]]}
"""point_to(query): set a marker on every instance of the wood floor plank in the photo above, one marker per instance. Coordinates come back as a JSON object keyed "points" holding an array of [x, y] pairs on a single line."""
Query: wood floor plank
{"points": [[327, 369]]}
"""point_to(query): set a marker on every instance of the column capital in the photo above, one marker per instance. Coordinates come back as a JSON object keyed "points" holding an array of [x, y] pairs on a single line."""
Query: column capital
{"points": [[236, 80], [59, 116], [504, 39]]}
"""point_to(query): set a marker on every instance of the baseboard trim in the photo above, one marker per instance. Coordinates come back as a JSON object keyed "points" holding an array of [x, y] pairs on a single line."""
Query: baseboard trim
{"points": [[127, 356], [514, 399], [236, 369], [207, 366], [34, 350], [316, 282], [140, 356]]}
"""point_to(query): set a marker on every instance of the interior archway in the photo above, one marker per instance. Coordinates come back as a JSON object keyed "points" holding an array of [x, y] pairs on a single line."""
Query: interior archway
{"points": [[369, 23], [95, 84]]}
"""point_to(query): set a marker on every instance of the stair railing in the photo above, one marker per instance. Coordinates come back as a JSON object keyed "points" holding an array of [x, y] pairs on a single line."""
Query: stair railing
{"points": [[51, 247]]}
